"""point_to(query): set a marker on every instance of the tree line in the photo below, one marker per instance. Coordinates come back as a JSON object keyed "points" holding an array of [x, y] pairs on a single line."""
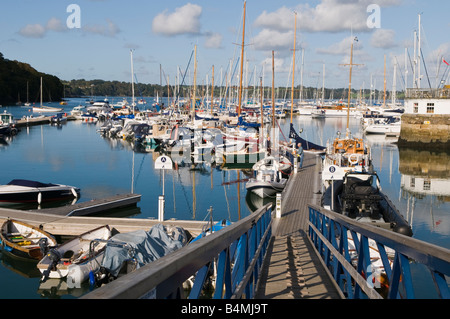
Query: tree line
{"points": [[15, 76]]}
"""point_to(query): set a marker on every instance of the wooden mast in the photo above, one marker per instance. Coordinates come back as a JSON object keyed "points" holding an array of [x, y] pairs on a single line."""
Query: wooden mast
{"points": [[242, 63], [212, 90], [350, 85], [293, 66]]}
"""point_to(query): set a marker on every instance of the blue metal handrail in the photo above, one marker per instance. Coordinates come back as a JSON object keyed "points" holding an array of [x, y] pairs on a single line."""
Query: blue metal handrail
{"points": [[236, 252], [350, 250]]}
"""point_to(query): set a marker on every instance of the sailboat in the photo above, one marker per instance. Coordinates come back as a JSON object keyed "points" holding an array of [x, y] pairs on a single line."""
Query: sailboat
{"points": [[27, 102], [43, 108], [251, 152]]}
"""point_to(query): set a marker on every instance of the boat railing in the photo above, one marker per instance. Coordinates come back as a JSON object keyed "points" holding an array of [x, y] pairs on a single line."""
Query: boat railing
{"points": [[234, 254], [442, 93], [412, 260]]}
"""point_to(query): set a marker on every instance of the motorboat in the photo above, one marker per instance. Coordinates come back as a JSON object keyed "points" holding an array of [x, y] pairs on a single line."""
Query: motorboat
{"points": [[387, 126], [126, 252], [77, 252], [24, 240], [78, 111], [268, 178], [26, 191], [359, 196], [59, 118], [7, 124]]}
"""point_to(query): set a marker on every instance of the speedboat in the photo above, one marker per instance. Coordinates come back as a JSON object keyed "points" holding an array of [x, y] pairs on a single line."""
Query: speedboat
{"points": [[25, 191], [268, 179], [359, 196]]}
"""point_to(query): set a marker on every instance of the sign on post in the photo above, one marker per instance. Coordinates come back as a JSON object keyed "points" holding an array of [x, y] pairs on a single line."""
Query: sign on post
{"points": [[163, 162]]}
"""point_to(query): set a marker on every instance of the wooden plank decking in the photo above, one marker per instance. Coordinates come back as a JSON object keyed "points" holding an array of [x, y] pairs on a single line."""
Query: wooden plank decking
{"points": [[292, 270]]}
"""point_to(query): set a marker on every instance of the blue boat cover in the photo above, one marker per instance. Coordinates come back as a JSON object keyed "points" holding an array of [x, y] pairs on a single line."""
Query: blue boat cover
{"points": [[143, 246], [28, 183], [306, 145]]}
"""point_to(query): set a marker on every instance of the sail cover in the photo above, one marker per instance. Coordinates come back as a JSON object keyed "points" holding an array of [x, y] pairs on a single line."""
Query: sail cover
{"points": [[306, 145], [143, 246]]}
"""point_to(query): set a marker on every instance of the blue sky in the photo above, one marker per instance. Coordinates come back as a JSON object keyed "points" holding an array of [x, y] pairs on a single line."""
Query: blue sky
{"points": [[165, 32]]}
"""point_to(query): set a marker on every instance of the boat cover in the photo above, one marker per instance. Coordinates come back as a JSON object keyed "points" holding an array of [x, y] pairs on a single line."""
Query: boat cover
{"points": [[306, 145], [143, 246], [27, 183]]}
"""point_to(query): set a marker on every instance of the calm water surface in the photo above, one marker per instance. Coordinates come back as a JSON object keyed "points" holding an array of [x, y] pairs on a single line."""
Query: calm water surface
{"points": [[75, 154]]}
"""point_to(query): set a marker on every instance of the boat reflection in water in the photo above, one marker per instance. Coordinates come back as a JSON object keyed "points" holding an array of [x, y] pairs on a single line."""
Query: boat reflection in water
{"points": [[425, 185], [255, 202]]}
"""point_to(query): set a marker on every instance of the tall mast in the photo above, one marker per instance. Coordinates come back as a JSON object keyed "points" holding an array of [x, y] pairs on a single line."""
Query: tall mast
{"points": [[212, 90], [350, 86], [419, 54], [242, 63], [384, 95], [350, 83], [293, 66], [273, 90], [132, 80], [195, 83]]}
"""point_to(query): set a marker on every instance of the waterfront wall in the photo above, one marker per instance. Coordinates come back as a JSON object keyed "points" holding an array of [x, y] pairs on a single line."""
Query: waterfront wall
{"points": [[425, 131]]}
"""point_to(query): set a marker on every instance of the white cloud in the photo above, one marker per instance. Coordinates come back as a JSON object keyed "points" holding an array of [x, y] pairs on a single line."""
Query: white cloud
{"points": [[55, 24], [185, 20], [274, 40], [33, 31], [213, 40], [110, 30], [327, 16], [383, 38]]}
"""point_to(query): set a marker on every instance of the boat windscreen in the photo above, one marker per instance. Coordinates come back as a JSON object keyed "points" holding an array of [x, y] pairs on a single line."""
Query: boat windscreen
{"points": [[28, 183]]}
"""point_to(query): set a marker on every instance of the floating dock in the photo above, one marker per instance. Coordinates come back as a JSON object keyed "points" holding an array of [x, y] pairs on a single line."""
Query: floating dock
{"points": [[72, 220]]}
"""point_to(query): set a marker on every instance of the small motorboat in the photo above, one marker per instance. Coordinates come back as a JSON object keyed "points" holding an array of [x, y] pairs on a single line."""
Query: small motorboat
{"points": [[59, 118], [26, 191], [25, 241], [268, 179], [77, 251]]}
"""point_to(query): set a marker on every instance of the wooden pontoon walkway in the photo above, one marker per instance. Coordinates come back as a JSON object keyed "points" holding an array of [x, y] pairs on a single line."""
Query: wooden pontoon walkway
{"points": [[292, 270]]}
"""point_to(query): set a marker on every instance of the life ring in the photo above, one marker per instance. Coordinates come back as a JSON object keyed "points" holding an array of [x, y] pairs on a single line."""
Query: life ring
{"points": [[353, 159], [1, 122]]}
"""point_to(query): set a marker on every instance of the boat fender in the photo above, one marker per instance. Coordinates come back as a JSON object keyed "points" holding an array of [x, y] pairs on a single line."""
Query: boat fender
{"points": [[39, 198], [404, 230], [74, 192], [92, 280]]}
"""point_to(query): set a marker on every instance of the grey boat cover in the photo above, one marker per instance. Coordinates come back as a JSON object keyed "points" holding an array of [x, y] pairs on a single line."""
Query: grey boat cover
{"points": [[143, 246]]}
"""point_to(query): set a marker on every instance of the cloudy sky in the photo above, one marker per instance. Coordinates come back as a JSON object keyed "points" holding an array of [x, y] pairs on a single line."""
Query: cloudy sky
{"points": [[93, 39]]}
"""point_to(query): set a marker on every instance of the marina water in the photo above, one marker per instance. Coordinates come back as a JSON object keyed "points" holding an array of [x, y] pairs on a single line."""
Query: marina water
{"points": [[76, 154]]}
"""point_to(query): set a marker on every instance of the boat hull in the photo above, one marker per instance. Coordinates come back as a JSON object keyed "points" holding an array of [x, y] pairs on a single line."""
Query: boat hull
{"points": [[22, 240], [19, 193], [71, 253]]}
